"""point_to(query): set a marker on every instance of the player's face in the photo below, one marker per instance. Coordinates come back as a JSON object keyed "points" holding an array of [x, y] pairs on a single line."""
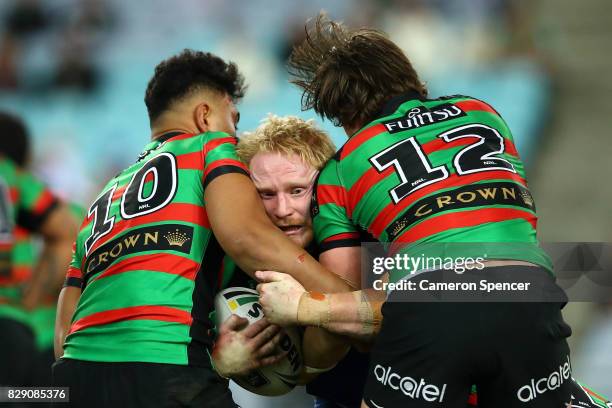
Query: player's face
{"points": [[223, 115], [285, 186]]}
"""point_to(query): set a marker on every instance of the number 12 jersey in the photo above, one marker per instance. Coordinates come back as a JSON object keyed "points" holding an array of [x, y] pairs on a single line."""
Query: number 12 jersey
{"points": [[438, 172]]}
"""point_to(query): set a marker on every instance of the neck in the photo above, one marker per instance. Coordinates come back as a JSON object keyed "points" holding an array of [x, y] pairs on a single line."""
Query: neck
{"points": [[351, 130], [158, 132], [172, 121]]}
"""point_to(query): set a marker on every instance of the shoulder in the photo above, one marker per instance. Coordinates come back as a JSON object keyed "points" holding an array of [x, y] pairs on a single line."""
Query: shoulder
{"points": [[329, 172], [8, 169], [210, 136], [26, 181], [468, 103]]}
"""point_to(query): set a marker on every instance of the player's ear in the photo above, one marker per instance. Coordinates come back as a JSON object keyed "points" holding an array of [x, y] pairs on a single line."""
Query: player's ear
{"points": [[202, 116]]}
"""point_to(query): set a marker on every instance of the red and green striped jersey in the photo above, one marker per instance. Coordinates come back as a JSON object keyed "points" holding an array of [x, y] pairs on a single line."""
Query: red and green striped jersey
{"points": [[25, 204], [146, 258], [583, 396], [428, 172]]}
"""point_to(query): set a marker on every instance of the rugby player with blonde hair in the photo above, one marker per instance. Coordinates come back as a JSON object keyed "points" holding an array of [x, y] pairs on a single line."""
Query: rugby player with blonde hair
{"points": [[284, 156]]}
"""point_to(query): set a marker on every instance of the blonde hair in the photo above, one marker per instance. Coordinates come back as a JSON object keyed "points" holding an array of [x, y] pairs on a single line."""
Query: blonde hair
{"points": [[287, 135]]}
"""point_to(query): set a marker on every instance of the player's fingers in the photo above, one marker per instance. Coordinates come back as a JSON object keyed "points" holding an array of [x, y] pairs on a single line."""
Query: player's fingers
{"points": [[255, 328], [271, 348], [266, 335], [269, 276], [233, 323], [272, 359]]}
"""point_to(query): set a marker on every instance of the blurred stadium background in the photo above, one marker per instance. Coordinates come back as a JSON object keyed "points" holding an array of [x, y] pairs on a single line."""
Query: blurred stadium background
{"points": [[76, 71]]}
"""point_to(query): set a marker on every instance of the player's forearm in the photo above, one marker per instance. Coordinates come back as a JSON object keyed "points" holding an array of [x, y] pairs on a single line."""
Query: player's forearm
{"points": [[66, 306], [322, 350], [265, 247], [354, 314]]}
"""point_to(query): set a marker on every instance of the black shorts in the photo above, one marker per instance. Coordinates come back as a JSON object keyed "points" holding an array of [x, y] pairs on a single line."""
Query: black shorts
{"points": [[582, 397], [41, 376], [95, 384], [342, 386], [431, 353], [17, 353]]}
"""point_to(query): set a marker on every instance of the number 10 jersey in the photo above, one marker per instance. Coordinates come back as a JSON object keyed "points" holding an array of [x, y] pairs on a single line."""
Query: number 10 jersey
{"points": [[146, 259]]}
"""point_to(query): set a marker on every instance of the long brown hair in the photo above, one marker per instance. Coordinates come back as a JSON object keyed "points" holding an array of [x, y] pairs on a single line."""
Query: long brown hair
{"points": [[348, 75]]}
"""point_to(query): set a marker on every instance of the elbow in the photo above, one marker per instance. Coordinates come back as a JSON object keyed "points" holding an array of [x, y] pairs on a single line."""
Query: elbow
{"points": [[241, 244], [61, 227], [69, 230]]}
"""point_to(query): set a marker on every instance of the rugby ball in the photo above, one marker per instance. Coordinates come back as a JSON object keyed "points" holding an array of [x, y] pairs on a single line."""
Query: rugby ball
{"points": [[275, 379]]}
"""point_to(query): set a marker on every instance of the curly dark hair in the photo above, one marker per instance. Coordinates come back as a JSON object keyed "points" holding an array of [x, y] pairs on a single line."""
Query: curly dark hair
{"points": [[348, 75], [14, 140], [186, 72]]}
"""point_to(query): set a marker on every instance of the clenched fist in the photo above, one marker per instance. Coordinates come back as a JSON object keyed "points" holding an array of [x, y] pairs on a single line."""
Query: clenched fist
{"points": [[279, 294]]}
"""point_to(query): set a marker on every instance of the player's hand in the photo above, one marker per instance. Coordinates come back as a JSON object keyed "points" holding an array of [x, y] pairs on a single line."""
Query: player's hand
{"points": [[279, 294], [241, 348]]}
